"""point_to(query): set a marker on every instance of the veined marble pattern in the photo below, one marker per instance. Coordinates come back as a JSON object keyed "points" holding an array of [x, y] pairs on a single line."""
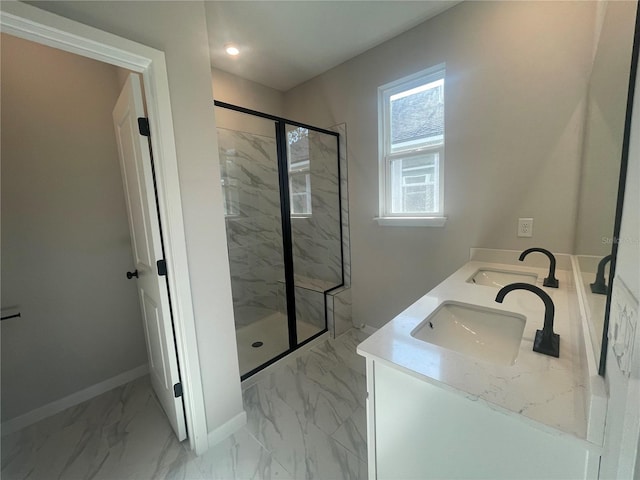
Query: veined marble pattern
{"points": [[339, 310], [120, 434], [249, 168], [250, 185], [310, 307], [316, 239], [309, 414], [305, 421]]}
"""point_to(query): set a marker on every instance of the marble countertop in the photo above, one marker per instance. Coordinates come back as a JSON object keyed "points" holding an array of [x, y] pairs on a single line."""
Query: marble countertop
{"points": [[548, 392]]}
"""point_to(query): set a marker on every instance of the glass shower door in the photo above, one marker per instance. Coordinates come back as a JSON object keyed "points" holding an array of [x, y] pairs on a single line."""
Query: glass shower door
{"points": [[250, 187], [281, 191], [316, 236]]}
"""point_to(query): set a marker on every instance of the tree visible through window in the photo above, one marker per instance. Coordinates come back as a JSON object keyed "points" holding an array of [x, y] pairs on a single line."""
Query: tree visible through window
{"points": [[412, 145], [299, 171]]}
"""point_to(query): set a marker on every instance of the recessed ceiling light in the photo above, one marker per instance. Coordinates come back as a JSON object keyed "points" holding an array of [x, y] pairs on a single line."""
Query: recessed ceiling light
{"points": [[231, 49]]}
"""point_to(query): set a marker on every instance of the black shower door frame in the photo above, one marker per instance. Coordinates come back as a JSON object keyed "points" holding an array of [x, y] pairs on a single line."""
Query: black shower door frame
{"points": [[287, 237]]}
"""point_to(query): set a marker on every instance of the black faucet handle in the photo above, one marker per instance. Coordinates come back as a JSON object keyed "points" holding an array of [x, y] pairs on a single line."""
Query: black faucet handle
{"points": [[551, 280], [600, 286], [548, 344], [546, 341]]}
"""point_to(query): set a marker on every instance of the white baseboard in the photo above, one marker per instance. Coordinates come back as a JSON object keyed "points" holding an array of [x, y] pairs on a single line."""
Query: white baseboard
{"points": [[227, 429], [29, 418]]}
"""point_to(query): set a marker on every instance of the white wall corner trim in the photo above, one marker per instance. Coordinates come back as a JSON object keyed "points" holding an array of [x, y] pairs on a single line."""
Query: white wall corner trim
{"points": [[226, 430], [28, 22], [35, 415]]}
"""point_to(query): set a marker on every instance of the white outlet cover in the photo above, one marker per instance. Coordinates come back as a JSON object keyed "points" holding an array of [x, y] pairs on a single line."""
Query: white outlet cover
{"points": [[525, 227], [623, 321]]}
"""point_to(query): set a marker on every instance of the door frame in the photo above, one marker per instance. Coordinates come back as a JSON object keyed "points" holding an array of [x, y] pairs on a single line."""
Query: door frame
{"points": [[30, 23]]}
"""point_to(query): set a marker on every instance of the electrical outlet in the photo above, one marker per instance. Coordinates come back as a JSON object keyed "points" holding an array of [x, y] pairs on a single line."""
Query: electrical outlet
{"points": [[525, 227]]}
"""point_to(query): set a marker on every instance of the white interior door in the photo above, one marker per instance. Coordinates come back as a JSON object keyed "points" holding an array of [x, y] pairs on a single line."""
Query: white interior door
{"points": [[137, 175]]}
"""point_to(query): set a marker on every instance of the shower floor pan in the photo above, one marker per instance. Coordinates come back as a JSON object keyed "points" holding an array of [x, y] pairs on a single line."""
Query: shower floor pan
{"points": [[273, 332]]}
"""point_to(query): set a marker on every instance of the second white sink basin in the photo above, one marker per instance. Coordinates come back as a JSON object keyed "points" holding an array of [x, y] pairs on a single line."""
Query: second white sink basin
{"points": [[480, 332], [500, 278]]}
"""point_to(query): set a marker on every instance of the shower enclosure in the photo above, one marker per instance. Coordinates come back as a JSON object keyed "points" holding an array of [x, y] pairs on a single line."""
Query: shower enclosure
{"points": [[281, 189]]}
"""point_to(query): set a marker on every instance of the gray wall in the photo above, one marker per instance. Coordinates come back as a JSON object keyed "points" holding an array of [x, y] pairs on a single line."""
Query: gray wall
{"points": [[65, 234], [239, 91], [517, 76], [179, 30], [230, 88], [604, 126]]}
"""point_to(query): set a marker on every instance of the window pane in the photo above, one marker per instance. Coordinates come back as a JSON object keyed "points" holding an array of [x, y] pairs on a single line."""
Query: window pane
{"points": [[412, 184], [417, 116], [299, 183], [300, 193], [414, 202], [299, 170], [299, 203], [415, 180]]}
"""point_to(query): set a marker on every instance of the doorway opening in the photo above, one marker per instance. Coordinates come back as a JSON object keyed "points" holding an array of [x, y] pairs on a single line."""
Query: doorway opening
{"points": [[26, 22], [66, 236]]}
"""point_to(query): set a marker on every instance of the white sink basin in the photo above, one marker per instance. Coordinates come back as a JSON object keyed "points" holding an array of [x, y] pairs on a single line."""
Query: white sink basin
{"points": [[484, 333], [500, 278]]}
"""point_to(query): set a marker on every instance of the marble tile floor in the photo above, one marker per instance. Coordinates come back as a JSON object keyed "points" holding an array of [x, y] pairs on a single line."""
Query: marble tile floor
{"points": [[273, 332], [306, 420]]}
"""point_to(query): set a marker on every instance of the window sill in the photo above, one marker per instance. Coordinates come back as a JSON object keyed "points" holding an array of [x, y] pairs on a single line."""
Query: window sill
{"points": [[411, 221]]}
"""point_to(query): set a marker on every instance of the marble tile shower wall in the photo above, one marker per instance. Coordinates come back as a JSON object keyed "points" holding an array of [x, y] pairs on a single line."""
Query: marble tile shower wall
{"points": [[310, 306], [316, 238], [253, 222], [249, 172]]}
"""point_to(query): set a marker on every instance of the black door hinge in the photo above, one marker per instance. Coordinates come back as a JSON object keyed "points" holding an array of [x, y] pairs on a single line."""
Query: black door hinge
{"points": [[143, 126], [177, 390], [162, 267]]}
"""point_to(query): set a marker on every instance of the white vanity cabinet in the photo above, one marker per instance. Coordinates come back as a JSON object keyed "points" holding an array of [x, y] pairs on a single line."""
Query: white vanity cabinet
{"points": [[439, 409], [417, 430]]}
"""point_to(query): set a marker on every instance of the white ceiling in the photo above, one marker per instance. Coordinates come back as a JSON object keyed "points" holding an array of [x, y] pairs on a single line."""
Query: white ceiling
{"points": [[284, 43]]}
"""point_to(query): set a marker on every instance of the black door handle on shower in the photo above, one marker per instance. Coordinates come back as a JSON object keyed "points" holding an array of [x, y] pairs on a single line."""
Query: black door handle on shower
{"points": [[130, 275]]}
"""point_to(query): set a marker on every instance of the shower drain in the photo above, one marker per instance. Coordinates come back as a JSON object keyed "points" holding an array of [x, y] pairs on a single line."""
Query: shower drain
{"points": [[257, 344]]}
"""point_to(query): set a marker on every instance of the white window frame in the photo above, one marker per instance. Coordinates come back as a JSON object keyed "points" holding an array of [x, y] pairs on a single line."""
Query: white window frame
{"points": [[300, 169], [408, 150]]}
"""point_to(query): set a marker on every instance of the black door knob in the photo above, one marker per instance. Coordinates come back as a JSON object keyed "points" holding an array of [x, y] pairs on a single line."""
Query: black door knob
{"points": [[130, 275]]}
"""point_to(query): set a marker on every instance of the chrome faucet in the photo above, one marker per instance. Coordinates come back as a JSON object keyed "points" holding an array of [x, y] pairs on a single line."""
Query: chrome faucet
{"points": [[546, 341], [599, 286], [551, 280]]}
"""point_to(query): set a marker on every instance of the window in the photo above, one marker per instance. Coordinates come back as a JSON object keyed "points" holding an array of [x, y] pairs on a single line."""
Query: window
{"points": [[229, 184], [299, 172], [411, 145], [300, 188]]}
